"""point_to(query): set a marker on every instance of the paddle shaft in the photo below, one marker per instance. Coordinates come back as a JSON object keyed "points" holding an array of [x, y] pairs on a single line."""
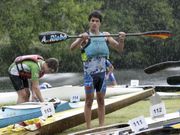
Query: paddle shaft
{"points": [[57, 36], [111, 35]]}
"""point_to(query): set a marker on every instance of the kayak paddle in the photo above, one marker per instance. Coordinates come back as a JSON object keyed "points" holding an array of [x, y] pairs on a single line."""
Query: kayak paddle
{"points": [[56, 36]]}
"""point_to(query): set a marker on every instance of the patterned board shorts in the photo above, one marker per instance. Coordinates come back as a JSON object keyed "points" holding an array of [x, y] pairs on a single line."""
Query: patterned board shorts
{"points": [[95, 82]]}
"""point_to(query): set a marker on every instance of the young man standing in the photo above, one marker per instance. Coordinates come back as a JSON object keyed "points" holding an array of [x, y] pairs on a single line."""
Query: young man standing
{"points": [[94, 54], [30, 67]]}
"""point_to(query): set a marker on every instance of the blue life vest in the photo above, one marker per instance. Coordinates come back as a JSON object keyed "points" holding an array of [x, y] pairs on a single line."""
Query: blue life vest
{"points": [[96, 47]]}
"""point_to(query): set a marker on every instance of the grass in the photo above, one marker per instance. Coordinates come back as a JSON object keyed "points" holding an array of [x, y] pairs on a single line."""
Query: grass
{"points": [[127, 113], [13, 103]]}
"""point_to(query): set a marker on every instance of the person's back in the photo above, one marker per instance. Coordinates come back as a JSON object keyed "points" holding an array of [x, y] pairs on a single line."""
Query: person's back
{"points": [[27, 69], [30, 67]]}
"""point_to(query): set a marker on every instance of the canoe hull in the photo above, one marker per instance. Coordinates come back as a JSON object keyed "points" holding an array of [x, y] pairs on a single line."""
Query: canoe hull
{"points": [[65, 92], [14, 114]]}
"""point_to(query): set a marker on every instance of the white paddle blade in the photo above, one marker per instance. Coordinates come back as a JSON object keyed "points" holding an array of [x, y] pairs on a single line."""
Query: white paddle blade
{"points": [[52, 37]]}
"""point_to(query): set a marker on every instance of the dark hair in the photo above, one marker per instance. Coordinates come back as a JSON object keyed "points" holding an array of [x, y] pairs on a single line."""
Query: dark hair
{"points": [[53, 63], [96, 14]]}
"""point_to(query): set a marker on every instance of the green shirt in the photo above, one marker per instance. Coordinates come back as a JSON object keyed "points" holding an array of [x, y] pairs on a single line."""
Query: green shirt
{"points": [[28, 66]]}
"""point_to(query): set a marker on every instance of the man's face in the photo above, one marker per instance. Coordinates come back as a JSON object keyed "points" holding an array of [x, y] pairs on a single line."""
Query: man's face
{"points": [[48, 70], [94, 24]]}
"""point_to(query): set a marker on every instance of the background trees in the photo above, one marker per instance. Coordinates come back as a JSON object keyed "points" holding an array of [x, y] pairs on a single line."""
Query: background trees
{"points": [[21, 21]]}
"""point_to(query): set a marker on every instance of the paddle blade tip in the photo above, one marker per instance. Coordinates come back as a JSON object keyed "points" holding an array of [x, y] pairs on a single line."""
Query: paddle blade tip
{"points": [[52, 37], [162, 34]]}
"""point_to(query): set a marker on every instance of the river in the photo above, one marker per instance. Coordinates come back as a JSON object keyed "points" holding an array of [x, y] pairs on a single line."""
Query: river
{"points": [[123, 77]]}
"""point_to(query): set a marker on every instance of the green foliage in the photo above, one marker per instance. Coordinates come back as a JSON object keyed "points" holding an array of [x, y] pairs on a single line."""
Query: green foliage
{"points": [[21, 21]]}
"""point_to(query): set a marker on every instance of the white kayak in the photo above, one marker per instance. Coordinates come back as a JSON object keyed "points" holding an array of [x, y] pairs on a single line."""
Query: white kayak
{"points": [[67, 91]]}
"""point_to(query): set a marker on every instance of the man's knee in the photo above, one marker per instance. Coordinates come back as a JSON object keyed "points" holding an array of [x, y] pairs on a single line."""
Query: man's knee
{"points": [[89, 103], [101, 102], [25, 94]]}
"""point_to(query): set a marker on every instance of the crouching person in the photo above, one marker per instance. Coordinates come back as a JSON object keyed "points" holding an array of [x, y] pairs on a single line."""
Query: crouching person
{"points": [[30, 68]]}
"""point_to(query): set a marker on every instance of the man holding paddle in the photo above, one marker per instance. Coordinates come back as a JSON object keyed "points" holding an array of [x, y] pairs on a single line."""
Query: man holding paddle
{"points": [[95, 51], [30, 67]]}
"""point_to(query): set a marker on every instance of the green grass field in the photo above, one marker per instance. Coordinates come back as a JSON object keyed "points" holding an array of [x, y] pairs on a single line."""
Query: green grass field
{"points": [[127, 113]]}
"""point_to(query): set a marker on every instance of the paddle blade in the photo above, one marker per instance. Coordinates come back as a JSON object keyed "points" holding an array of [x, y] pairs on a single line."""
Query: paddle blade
{"points": [[161, 66], [173, 80], [52, 37], [158, 34]]}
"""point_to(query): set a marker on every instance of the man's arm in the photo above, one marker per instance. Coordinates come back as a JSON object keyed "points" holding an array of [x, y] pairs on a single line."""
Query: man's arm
{"points": [[36, 90], [79, 41], [110, 70], [117, 45]]}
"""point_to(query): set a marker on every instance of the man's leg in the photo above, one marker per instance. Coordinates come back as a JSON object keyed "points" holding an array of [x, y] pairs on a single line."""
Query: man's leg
{"points": [[89, 91], [101, 107], [87, 109], [23, 95], [100, 86], [21, 87]]}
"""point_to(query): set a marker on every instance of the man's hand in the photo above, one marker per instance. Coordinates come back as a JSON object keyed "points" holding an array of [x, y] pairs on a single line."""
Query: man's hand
{"points": [[84, 36], [34, 99], [122, 36]]}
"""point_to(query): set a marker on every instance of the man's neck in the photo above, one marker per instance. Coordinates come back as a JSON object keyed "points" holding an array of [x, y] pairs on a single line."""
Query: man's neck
{"points": [[95, 32]]}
